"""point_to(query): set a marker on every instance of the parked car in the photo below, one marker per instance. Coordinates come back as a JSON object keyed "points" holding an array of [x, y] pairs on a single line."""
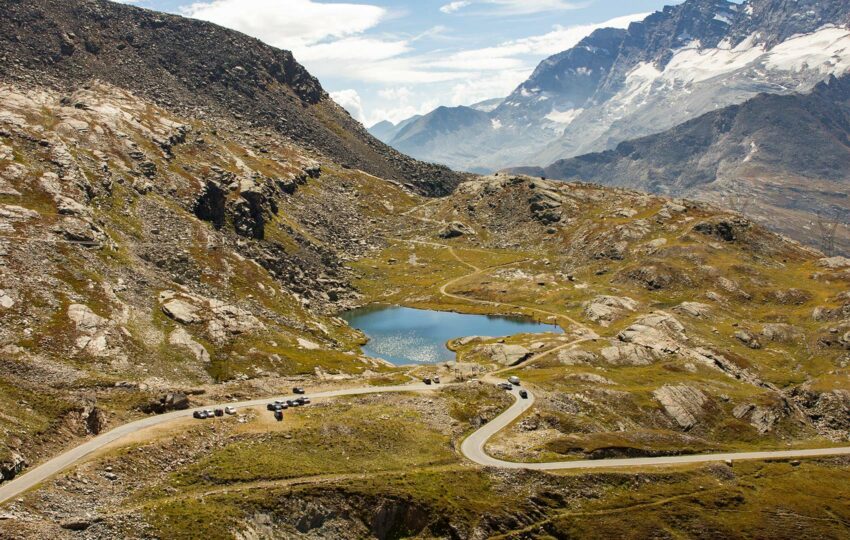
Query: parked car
{"points": [[523, 394], [278, 415], [210, 413], [436, 380], [514, 380], [426, 380], [505, 386], [270, 406], [219, 412], [200, 415], [297, 390], [303, 400], [293, 402], [229, 410]]}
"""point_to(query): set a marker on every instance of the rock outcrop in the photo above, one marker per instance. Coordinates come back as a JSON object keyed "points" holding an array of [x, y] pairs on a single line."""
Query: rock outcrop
{"points": [[604, 310], [504, 354], [219, 320], [685, 404]]}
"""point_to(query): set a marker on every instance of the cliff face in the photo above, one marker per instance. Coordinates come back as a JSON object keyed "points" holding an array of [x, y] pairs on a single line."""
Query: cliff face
{"points": [[194, 68]]}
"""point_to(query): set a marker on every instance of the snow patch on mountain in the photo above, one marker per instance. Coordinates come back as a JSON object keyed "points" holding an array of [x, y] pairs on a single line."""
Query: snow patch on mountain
{"points": [[827, 51], [563, 117]]}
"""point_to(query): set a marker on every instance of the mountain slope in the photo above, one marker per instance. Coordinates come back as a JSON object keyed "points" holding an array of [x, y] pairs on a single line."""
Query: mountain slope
{"points": [[193, 66], [385, 131], [674, 65], [787, 156]]}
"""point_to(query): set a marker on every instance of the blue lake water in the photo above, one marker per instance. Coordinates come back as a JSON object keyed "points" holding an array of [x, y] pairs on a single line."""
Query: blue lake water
{"points": [[415, 336]]}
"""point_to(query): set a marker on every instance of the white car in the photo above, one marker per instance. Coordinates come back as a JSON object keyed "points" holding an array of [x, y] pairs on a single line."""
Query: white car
{"points": [[229, 410]]}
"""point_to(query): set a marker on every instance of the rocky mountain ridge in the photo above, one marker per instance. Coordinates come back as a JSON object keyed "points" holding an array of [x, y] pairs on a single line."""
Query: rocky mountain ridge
{"points": [[616, 85], [194, 68]]}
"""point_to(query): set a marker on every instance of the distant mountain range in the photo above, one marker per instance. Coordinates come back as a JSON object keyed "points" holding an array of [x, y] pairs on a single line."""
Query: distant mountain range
{"points": [[782, 158], [616, 85]]}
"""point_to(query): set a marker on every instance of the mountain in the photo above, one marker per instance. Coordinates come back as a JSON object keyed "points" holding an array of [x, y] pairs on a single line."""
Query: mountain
{"points": [[784, 159], [385, 130], [194, 67], [180, 229], [674, 65]]}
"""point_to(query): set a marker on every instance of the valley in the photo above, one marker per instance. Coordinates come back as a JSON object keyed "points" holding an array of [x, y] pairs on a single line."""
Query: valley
{"points": [[186, 218]]}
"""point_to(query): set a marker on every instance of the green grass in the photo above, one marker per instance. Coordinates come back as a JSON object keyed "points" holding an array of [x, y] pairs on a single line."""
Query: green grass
{"points": [[341, 438]]}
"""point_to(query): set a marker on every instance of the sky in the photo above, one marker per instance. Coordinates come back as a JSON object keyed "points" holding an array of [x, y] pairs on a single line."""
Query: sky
{"points": [[392, 59]]}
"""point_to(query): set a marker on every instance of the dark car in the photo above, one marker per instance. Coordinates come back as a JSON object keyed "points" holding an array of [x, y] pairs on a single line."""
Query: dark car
{"points": [[219, 412], [523, 394], [297, 390], [293, 402], [278, 415], [303, 400], [505, 386], [200, 415], [271, 406], [426, 380]]}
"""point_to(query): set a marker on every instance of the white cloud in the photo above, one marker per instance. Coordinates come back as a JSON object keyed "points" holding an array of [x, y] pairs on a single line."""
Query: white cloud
{"points": [[451, 7], [386, 76], [350, 101], [512, 7], [289, 24]]}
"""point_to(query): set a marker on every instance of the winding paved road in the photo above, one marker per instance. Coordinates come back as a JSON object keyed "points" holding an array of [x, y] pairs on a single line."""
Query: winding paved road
{"points": [[472, 447], [61, 462]]}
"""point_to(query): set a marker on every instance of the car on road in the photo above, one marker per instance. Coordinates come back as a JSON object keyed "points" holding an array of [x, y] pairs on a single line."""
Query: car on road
{"points": [[229, 410], [270, 407], [297, 390], [200, 415], [210, 413], [514, 380], [523, 394], [505, 386], [426, 380], [293, 402], [436, 380], [219, 412], [303, 400]]}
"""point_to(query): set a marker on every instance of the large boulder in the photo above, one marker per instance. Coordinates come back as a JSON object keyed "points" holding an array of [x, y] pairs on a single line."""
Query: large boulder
{"points": [[604, 310], [783, 333], [659, 331], [181, 338], [11, 466], [694, 309], [628, 354], [685, 404], [834, 263], [172, 401], [455, 229], [92, 330], [506, 355], [220, 320]]}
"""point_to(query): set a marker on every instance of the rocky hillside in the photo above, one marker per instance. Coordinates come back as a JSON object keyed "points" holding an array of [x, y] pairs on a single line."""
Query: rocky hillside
{"points": [[618, 84], [193, 68], [750, 157], [144, 254]]}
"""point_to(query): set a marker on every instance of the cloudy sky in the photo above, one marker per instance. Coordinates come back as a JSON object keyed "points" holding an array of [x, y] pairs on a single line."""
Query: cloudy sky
{"points": [[391, 59]]}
